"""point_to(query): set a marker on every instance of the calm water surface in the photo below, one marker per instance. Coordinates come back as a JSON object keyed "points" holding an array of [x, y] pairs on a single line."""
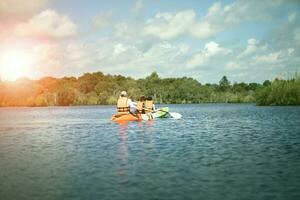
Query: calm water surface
{"points": [[216, 151]]}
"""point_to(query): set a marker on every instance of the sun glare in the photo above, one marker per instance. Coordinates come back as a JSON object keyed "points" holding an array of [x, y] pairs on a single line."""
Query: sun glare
{"points": [[15, 64]]}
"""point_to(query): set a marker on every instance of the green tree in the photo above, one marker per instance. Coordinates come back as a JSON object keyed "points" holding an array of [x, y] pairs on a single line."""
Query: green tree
{"points": [[266, 83], [65, 97], [224, 84]]}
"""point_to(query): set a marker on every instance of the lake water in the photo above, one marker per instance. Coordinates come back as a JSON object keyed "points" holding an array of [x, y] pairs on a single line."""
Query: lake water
{"points": [[216, 151]]}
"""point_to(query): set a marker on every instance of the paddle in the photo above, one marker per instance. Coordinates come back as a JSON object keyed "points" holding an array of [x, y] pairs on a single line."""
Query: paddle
{"points": [[172, 114], [175, 115]]}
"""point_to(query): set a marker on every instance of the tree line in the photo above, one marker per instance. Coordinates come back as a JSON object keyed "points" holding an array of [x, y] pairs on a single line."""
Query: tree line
{"points": [[98, 88]]}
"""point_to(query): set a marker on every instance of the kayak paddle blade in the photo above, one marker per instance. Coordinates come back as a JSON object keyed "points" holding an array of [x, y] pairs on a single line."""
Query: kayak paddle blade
{"points": [[175, 115]]}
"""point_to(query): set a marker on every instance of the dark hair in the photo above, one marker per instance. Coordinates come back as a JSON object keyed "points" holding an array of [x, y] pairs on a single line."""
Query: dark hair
{"points": [[142, 98], [149, 98]]}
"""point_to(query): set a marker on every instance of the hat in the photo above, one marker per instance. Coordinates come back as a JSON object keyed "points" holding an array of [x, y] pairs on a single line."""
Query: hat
{"points": [[123, 93]]}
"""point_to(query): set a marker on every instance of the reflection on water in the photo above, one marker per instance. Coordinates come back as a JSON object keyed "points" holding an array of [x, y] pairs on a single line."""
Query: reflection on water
{"points": [[123, 149], [217, 151]]}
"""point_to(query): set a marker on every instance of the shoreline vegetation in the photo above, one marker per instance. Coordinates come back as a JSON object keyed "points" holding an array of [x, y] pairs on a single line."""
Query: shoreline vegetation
{"points": [[99, 89]]}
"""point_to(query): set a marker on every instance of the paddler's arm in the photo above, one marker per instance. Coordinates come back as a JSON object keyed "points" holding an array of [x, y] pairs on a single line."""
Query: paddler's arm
{"points": [[132, 106]]}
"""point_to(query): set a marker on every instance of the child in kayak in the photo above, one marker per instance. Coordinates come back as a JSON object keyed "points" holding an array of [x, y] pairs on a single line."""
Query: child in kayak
{"points": [[149, 105], [140, 107]]}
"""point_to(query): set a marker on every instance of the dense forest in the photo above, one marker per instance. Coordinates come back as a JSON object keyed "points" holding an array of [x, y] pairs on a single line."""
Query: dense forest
{"points": [[97, 88]]}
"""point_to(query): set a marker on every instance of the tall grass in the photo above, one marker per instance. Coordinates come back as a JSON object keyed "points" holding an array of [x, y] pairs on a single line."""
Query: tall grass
{"points": [[280, 92]]}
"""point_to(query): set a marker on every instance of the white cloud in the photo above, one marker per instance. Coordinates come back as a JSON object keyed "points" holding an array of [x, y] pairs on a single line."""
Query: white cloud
{"points": [[132, 34], [168, 26], [207, 26], [103, 20], [203, 30], [112, 56], [269, 58], [211, 49], [253, 47], [127, 32], [219, 18], [48, 24], [232, 65], [166, 52], [197, 60], [275, 57], [78, 55], [122, 55]]}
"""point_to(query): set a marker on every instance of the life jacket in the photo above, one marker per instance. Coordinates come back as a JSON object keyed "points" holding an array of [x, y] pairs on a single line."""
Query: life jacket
{"points": [[149, 105], [140, 107], [122, 106]]}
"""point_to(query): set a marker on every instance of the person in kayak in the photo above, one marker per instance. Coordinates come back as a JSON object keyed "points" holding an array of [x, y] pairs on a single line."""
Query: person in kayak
{"points": [[124, 104], [149, 105], [140, 107]]}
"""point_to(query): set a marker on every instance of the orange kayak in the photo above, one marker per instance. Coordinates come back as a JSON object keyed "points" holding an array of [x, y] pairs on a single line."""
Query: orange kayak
{"points": [[126, 117]]}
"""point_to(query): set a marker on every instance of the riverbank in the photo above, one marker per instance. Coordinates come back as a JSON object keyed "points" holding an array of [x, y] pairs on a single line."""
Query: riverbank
{"points": [[99, 89]]}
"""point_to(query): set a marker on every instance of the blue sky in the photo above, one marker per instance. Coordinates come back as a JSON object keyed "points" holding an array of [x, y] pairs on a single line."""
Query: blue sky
{"points": [[248, 41]]}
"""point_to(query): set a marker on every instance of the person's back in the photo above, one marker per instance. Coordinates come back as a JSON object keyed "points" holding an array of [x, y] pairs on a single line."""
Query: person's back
{"points": [[141, 105], [149, 105], [123, 104]]}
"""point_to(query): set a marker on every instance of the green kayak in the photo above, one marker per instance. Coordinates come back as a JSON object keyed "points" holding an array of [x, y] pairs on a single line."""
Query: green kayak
{"points": [[159, 113]]}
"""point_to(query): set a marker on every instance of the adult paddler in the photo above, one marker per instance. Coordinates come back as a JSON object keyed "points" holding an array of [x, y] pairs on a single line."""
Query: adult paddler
{"points": [[123, 104]]}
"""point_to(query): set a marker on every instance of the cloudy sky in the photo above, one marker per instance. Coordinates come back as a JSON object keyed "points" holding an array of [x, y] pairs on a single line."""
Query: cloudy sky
{"points": [[246, 40]]}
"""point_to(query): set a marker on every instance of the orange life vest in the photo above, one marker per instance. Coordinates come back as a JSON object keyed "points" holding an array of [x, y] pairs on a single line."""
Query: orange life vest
{"points": [[140, 107], [122, 106], [149, 105]]}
